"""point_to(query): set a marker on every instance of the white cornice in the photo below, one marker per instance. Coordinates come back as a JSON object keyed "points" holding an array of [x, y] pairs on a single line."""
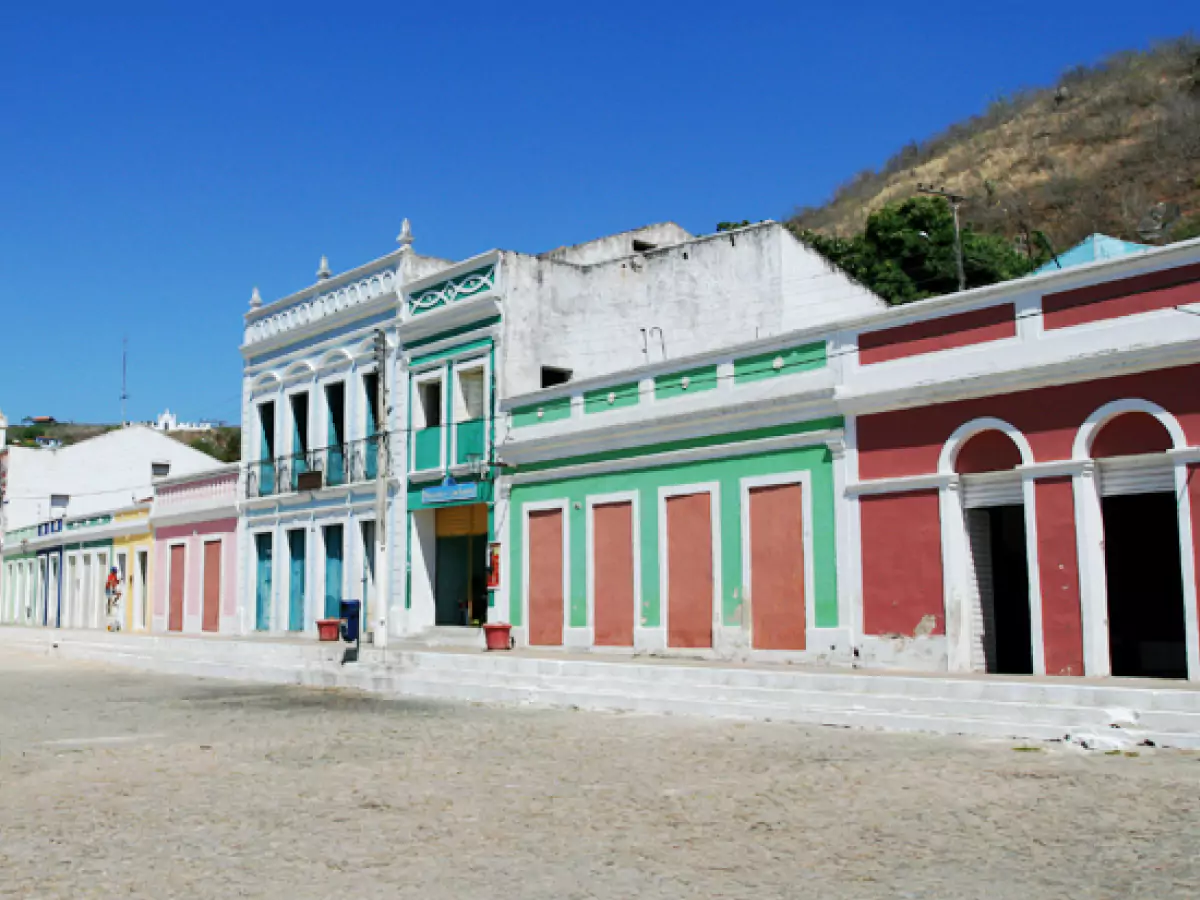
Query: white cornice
{"points": [[327, 285], [901, 484], [453, 271], [668, 457], [374, 306], [603, 432], [446, 318], [298, 501], [1026, 375], [194, 515]]}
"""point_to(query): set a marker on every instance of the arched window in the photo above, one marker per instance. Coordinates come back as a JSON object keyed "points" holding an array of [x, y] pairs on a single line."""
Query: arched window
{"points": [[1131, 433], [987, 451]]}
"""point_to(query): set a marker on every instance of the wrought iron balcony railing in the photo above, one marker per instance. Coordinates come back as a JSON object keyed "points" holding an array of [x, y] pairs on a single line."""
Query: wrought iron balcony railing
{"points": [[349, 462]]}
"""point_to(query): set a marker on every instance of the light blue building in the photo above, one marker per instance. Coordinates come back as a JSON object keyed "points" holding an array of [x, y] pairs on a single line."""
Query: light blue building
{"points": [[1093, 248]]}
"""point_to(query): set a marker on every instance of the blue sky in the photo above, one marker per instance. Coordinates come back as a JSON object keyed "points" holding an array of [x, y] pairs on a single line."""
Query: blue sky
{"points": [[158, 163]]}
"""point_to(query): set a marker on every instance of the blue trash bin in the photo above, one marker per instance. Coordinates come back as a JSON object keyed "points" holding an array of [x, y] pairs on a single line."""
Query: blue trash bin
{"points": [[351, 611]]}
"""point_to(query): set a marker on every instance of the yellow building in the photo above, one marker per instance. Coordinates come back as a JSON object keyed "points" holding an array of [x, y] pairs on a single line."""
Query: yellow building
{"points": [[133, 556]]}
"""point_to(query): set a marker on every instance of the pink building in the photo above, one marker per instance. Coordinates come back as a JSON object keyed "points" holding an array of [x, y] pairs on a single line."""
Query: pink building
{"points": [[194, 518]]}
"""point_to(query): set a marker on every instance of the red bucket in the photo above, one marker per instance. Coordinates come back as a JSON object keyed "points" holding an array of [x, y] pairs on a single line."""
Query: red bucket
{"points": [[497, 634], [329, 629]]}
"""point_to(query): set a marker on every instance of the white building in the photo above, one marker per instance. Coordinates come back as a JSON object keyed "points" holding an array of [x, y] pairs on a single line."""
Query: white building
{"points": [[313, 427], [64, 508], [168, 421]]}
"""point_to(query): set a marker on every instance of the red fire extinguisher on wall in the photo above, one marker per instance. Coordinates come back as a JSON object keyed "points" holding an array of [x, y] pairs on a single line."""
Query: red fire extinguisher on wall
{"points": [[493, 566]]}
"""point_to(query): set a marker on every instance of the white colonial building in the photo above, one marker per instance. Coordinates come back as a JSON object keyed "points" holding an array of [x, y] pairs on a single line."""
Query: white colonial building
{"points": [[318, 410]]}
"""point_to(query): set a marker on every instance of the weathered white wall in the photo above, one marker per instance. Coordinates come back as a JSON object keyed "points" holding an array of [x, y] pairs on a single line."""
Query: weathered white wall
{"points": [[703, 294], [617, 246], [108, 472]]}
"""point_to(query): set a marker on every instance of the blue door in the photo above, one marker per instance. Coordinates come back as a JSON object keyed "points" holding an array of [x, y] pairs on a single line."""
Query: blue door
{"points": [[266, 450], [299, 437], [262, 590], [371, 450], [335, 464], [333, 571], [296, 580]]}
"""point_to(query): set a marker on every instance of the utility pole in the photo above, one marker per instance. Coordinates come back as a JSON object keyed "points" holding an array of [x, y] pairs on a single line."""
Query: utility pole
{"points": [[954, 200], [124, 379], [382, 423]]}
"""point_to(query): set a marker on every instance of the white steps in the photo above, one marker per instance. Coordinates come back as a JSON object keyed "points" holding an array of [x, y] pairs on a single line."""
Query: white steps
{"points": [[1166, 713]]}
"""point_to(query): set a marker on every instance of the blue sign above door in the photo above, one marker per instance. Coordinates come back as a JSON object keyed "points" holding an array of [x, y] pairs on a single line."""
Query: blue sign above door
{"points": [[450, 491]]}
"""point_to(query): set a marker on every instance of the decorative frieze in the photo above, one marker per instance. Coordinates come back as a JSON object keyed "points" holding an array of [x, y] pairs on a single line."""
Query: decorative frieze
{"points": [[470, 284], [327, 303]]}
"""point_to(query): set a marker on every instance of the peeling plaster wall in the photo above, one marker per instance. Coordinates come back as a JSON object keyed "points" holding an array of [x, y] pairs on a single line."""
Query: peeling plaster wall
{"points": [[705, 294]]}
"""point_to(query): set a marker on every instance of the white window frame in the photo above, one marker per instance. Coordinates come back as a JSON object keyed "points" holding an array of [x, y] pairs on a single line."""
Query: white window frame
{"points": [[713, 489], [612, 499], [805, 480], [468, 364], [436, 373], [564, 506]]}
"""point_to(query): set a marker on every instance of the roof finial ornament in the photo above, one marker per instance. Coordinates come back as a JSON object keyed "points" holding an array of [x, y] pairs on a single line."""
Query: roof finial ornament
{"points": [[323, 272], [405, 237], [255, 298]]}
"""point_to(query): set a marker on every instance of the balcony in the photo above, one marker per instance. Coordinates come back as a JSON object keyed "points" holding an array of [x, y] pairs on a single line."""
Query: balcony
{"points": [[469, 441], [427, 449], [350, 462]]}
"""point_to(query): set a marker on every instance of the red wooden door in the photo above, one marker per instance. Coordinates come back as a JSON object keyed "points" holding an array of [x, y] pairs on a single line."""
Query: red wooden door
{"points": [[689, 571], [212, 586], [777, 567], [614, 595], [175, 613], [546, 578]]}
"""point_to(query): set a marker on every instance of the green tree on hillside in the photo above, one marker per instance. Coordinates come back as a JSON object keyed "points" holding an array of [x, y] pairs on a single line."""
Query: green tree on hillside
{"points": [[906, 252]]}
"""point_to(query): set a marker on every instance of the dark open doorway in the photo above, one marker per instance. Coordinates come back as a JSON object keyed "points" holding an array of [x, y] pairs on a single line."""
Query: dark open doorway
{"points": [[1146, 631], [997, 537], [460, 580]]}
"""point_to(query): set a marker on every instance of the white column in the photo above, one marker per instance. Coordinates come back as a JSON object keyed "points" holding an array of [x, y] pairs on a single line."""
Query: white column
{"points": [[957, 596], [1187, 559], [1037, 637], [1093, 589]]}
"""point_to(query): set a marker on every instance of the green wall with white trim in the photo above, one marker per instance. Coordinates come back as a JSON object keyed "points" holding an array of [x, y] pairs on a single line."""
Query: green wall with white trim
{"points": [[727, 472]]}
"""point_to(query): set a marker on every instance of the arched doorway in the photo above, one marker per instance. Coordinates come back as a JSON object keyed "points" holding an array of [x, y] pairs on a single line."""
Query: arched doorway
{"points": [[999, 617], [1142, 560]]}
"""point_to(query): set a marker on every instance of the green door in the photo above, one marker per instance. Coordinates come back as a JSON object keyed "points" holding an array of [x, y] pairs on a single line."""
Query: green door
{"points": [[333, 571], [296, 580], [452, 581], [262, 592]]}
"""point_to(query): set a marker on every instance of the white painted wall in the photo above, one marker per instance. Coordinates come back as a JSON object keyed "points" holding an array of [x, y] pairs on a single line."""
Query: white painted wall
{"points": [[108, 472]]}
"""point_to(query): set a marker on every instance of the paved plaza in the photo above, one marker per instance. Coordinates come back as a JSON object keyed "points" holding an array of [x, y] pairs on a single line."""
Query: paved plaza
{"points": [[116, 783]]}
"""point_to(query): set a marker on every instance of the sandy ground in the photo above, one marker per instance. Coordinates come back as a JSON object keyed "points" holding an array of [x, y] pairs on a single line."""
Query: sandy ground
{"points": [[119, 784]]}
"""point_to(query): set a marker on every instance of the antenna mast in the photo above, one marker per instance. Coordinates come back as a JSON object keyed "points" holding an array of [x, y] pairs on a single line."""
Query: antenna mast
{"points": [[124, 372]]}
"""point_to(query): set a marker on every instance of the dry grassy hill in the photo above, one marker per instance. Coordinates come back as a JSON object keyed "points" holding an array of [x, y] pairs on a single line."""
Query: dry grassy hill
{"points": [[1095, 152]]}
